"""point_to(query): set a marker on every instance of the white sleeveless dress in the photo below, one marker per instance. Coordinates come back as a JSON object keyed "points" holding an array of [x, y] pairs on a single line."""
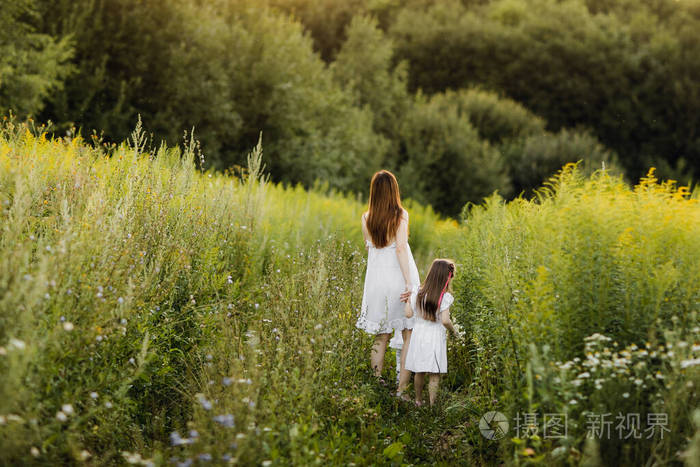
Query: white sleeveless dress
{"points": [[427, 351], [382, 309]]}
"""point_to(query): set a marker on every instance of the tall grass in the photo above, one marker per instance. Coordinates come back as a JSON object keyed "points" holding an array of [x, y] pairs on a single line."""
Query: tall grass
{"points": [[134, 287], [154, 314], [588, 257]]}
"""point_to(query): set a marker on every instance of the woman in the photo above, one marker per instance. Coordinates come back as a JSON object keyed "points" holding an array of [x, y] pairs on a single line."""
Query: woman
{"points": [[391, 270]]}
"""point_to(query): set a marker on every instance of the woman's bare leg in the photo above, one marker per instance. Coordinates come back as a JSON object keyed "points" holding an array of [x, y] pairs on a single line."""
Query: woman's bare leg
{"points": [[433, 386], [418, 382], [404, 375], [378, 351]]}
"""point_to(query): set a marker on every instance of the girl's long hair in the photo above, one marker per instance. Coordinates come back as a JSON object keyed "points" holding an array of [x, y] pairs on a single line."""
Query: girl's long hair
{"points": [[435, 285], [385, 210]]}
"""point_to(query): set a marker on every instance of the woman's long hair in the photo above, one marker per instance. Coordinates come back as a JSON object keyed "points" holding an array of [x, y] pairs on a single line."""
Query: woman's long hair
{"points": [[385, 210], [435, 285]]}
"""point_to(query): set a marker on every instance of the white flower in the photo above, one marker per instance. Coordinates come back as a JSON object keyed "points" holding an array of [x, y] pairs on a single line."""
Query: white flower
{"points": [[94, 395], [625, 395], [689, 363], [67, 409], [61, 417], [638, 382], [585, 374], [34, 452], [108, 404], [68, 326], [695, 348], [17, 344], [573, 402]]}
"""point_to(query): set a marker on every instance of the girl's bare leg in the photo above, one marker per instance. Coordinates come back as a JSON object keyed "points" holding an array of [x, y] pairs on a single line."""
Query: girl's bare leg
{"points": [[433, 386], [378, 351], [404, 375], [418, 382]]}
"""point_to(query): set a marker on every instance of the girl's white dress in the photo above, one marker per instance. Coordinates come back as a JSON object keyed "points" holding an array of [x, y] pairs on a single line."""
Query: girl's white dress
{"points": [[427, 350], [382, 309]]}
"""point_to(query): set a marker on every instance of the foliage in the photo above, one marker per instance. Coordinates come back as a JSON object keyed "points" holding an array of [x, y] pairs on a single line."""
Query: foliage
{"points": [[445, 164], [627, 70], [129, 281], [588, 257], [32, 65], [250, 70]]}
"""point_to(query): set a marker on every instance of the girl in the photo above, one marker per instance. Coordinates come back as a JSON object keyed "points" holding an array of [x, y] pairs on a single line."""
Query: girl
{"points": [[427, 350], [391, 270]]}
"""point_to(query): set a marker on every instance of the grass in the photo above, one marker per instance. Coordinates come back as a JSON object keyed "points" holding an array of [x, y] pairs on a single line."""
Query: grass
{"points": [[154, 314]]}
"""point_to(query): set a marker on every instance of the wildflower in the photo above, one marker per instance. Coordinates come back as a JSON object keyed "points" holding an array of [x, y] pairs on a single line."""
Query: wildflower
{"points": [[245, 381], [68, 326], [17, 344], [34, 452], [225, 420], [132, 361], [84, 455], [573, 402], [257, 305], [206, 457], [206, 405], [176, 439], [67, 408], [94, 395], [61, 417], [689, 363], [266, 463], [638, 381], [120, 300], [585, 374], [194, 434], [695, 348], [108, 404], [227, 381]]}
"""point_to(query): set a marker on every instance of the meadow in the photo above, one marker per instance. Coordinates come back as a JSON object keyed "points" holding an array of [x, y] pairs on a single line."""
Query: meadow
{"points": [[155, 313]]}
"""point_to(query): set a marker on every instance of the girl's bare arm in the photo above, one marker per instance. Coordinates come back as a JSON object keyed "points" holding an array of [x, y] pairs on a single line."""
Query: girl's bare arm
{"points": [[446, 321]]}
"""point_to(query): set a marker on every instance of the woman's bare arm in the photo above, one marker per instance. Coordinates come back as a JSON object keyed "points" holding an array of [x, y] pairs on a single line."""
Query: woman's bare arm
{"points": [[365, 232], [402, 249], [407, 310]]}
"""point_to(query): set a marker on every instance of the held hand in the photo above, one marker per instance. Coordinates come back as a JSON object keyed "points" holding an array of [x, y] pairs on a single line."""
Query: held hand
{"points": [[406, 295]]}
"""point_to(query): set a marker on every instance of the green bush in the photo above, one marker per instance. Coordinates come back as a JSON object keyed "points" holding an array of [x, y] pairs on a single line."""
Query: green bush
{"points": [[536, 158], [540, 280], [444, 162]]}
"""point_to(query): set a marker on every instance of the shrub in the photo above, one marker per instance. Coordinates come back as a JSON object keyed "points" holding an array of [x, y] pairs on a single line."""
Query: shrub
{"points": [[588, 257], [445, 164]]}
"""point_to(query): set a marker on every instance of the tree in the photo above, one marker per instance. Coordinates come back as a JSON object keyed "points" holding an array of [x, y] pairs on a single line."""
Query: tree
{"points": [[32, 65]]}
